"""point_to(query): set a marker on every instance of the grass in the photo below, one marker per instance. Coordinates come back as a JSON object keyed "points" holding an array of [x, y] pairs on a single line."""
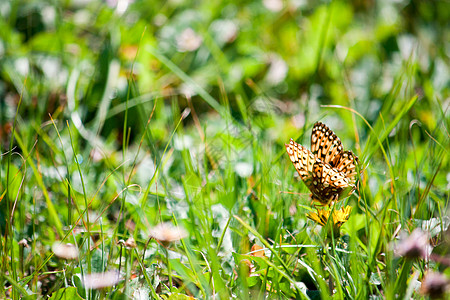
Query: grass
{"points": [[110, 125]]}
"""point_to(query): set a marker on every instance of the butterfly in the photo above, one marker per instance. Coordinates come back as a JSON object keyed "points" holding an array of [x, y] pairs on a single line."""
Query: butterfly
{"points": [[328, 171]]}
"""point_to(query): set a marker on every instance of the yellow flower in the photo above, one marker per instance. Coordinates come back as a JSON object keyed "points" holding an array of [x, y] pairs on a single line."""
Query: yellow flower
{"points": [[339, 217]]}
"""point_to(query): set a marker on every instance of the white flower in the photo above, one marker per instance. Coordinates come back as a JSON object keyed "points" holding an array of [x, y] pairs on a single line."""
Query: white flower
{"points": [[166, 233], [66, 251], [101, 280], [188, 40]]}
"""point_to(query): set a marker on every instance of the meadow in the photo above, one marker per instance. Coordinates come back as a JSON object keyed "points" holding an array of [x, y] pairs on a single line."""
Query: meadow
{"points": [[143, 149]]}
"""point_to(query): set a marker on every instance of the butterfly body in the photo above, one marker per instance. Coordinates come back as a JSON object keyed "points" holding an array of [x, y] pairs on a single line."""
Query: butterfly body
{"points": [[327, 170]]}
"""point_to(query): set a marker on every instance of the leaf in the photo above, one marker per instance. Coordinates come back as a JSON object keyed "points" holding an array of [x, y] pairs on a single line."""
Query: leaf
{"points": [[66, 293]]}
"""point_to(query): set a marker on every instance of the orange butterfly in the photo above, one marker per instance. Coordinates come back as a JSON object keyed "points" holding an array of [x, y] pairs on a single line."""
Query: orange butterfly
{"points": [[327, 170]]}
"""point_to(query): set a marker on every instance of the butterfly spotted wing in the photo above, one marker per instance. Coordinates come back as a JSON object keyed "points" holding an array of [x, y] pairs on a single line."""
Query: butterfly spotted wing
{"points": [[325, 144], [303, 161], [347, 165], [328, 147], [329, 184]]}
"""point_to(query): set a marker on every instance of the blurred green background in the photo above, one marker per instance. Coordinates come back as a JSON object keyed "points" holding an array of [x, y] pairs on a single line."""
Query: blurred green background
{"points": [[287, 56]]}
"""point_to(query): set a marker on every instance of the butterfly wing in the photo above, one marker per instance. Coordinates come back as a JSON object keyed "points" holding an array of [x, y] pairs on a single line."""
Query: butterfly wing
{"points": [[303, 161], [346, 163], [329, 184], [325, 145]]}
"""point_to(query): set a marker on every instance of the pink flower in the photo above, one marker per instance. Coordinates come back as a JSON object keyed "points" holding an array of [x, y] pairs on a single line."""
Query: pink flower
{"points": [[435, 285], [414, 246]]}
